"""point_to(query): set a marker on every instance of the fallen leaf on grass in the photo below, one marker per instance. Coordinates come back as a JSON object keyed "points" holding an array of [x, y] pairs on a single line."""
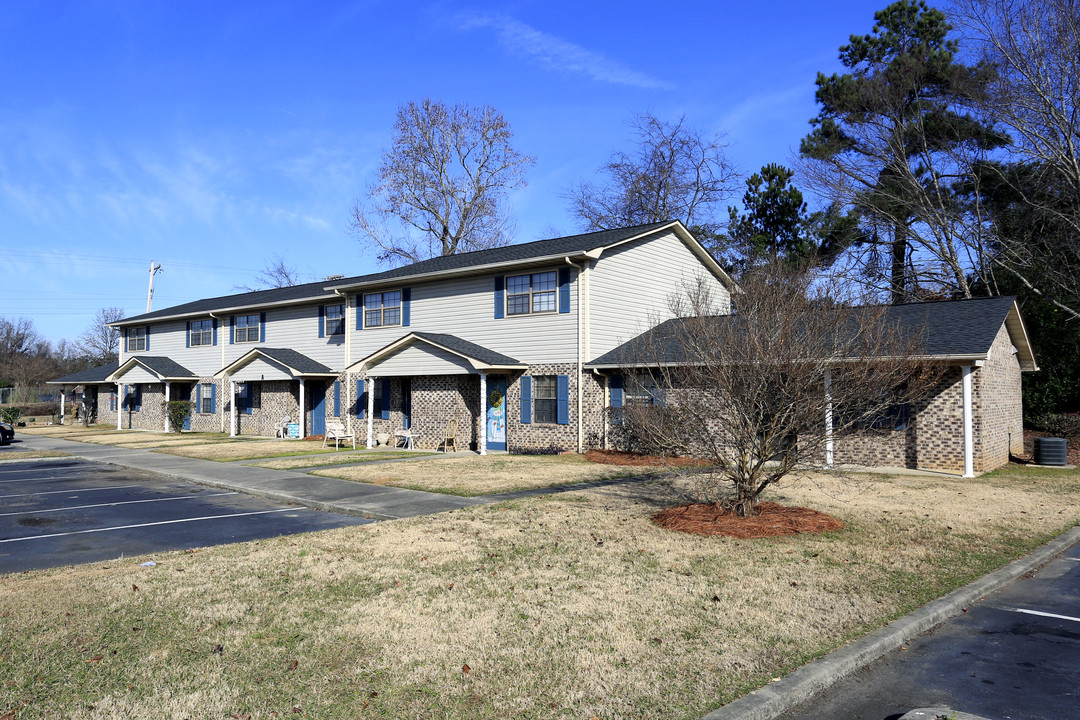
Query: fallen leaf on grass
{"points": [[96, 658], [465, 669], [293, 664]]}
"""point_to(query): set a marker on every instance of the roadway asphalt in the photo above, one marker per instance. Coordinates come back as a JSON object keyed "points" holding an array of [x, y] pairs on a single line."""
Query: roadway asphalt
{"points": [[1013, 655], [66, 512]]}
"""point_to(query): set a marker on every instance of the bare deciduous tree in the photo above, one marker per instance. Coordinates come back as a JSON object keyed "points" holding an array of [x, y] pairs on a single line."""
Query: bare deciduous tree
{"points": [[751, 391], [1035, 46], [100, 344], [442, 184], [676, 172], [276, 273]]}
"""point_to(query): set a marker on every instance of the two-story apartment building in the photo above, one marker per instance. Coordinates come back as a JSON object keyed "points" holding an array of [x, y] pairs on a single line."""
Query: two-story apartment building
{"points": [[512, 342]]}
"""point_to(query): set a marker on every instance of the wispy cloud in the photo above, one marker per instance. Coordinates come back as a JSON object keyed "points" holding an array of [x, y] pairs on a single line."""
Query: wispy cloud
{"points": [[779, 103], [557, 54]]}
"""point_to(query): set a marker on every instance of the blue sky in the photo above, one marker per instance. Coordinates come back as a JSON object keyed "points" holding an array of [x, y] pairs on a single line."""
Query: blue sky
{"points": [[210, 136]]}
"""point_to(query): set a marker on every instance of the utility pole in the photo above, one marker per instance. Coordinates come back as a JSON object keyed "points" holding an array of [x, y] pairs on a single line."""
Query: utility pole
{"points": [[154, 270]]}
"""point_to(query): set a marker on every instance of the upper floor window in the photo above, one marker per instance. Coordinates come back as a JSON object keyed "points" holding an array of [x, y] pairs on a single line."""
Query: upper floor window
{"points": [[533, 293], [136, 339], [246, 329], [382, 308], [202, 333], [335, 319]]}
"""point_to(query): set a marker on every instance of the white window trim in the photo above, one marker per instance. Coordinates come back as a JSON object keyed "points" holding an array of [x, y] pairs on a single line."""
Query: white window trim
{"points": [[382, 308], [201, 333], [257, 327], [133, 338], [507, 294], [327, 319]]}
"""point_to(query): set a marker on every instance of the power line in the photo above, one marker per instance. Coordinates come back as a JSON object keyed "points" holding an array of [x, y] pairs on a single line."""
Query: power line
{"points": [[107, 260]]}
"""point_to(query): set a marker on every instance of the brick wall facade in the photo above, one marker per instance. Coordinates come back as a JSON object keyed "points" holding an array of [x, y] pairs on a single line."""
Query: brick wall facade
{"points": [[998, 408]]}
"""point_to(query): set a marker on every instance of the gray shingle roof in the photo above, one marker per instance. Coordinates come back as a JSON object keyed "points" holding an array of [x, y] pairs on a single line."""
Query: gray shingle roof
{"points": [[89, 376], [569, 245], [297, 361], [163, 366], [949, 327], [453, 342]]}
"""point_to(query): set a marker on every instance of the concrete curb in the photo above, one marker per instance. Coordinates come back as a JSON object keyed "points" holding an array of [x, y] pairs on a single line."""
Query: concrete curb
{"points": [[775, 698]]}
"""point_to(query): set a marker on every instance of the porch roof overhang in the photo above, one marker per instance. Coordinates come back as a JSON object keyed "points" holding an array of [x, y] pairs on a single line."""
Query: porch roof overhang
{"points": [[160, 369], [469, 356], [93, 376], [294, 364]]}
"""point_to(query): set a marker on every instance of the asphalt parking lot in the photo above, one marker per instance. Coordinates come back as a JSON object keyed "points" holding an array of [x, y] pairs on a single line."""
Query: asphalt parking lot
{"points": [[67, 512], [1015, 654]]}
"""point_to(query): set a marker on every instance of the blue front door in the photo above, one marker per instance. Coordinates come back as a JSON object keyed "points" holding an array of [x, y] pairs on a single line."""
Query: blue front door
{"points": [[406, 403], [183, 392], [317, 393], [496, 412]]}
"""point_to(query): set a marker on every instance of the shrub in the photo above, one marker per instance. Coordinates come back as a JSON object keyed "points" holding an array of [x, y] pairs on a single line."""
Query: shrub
{"points": [[178, 412], [551, 449], [10, 415], [1065, 425]]}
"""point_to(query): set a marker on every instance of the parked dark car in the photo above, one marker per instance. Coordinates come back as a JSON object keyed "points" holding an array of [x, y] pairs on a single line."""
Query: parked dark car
{"points": [[7, 433]]}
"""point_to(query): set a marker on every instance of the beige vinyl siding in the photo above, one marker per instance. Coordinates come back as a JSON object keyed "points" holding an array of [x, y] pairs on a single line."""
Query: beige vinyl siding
{"points": [[630, 287], [465, 307], [421, 359], [261, 369], [295, 327]]}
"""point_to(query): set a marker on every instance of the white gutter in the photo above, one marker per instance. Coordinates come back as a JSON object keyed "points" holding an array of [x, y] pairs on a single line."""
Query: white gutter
{"points": [[221, 410], [580, 354], [969, 445]]}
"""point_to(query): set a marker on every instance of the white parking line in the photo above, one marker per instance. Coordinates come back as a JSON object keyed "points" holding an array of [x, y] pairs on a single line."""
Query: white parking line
{"points": [[1042, 614], [71, 491], [151, 524], [113, 504], [35, 478]]}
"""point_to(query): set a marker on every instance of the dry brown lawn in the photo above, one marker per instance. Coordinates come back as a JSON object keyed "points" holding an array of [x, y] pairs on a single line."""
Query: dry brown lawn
{"points": [[485, 475], [248, 449], [8, 454], [338, 459], [569, 606]]}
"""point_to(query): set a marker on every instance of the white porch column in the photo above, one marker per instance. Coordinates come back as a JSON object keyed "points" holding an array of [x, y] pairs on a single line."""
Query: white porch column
{"points": [[481, 445], [828, 419], [969, 442], [62, 393], [119, 406], [232, 408], [167, 385], [303, 413], [370, 410]]}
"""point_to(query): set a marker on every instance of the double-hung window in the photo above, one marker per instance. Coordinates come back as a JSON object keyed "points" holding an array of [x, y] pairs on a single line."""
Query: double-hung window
{"points": [[545, 399], [136, 339], [204, 402], [533, 293], [246, 329], [382, 308], [335, 319], [202, 333]]}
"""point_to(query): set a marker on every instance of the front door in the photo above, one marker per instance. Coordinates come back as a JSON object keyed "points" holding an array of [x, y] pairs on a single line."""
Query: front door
{"points": [[496, 412], [317, 392], [406, 403], [183, 392]]}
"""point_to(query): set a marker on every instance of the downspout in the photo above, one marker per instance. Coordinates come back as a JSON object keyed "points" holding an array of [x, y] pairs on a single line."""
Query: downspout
{"points": [[349, 324], [580, 352]]}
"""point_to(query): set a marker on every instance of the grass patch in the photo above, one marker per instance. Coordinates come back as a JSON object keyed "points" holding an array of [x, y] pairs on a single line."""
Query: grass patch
{"points": [[485, 475], [248, 450], [560, 606], [338, 459], [8, 454]]}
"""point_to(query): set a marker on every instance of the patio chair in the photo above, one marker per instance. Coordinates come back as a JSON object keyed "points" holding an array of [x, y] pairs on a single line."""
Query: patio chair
{"points": [[450, 436], [405, 438], [281, 430], [336, 432]]}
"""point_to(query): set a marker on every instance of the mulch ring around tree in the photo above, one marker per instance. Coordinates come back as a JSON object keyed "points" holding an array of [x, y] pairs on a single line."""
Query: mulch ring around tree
{"points": [[772, 520], [615, 457]]}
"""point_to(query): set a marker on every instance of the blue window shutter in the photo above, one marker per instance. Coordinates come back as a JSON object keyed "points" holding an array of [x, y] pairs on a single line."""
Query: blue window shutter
{"points": [[196, 393], [147, 338], [385, 398], [213, 398], [526, 399], [124, 400], [125, 339], [358, 304], [187, 335], [322, 321], [262, 327], [138, 398], [564, 290], [361, 398], [249, 398], [616, 389], [232, 329], [406, 309], [500, 301], [337, 398], [562, 390], [213, 324]]}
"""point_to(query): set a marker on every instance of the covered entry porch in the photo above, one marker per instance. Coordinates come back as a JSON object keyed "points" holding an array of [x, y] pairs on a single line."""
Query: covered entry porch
{"points": [[430, 384], [143, 384]]}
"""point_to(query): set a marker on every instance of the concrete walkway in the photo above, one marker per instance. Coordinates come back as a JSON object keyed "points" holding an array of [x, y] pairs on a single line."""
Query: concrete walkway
{"points": [[322, 493]]}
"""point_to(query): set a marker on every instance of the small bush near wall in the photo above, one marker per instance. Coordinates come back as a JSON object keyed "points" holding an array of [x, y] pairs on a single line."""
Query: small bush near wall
{"points": [[1061, 424], [178, 412], [551, 449], [37, 409]]}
